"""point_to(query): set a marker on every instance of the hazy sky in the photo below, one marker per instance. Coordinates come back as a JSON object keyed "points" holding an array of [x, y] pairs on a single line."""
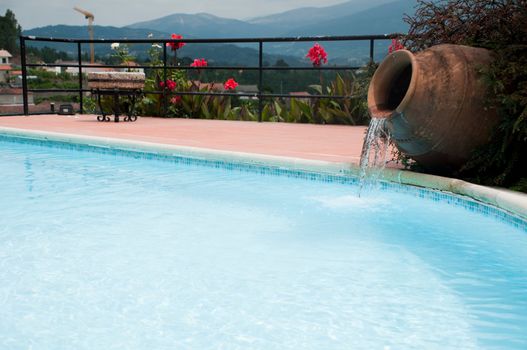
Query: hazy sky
{"points": [[37, 13]]}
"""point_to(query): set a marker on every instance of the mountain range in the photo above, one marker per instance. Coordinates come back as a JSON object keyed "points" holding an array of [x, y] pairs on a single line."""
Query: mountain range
{"points": [[303, 21], [354, 17]]}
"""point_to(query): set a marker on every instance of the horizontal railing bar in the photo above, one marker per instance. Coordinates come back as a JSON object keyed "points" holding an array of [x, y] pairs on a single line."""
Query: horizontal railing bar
{"points": [[12, 115], [222, 40], [199, 93], [287, 68], [22, 114], [57, 90], [270, 68], [338, 97], [259, 95]]}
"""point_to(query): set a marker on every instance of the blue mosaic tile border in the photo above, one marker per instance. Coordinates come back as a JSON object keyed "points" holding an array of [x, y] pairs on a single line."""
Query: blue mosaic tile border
{"points": [[345, 177]]}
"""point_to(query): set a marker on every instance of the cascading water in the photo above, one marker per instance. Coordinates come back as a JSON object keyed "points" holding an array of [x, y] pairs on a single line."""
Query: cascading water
{"points": [[374, 155]]}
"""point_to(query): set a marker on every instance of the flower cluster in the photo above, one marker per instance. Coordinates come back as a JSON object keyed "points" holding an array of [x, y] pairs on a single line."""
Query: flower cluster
{"points": [[395, 46], [199, 62], [317, 55], [176, 46], [122, 53], [168, 84], [230, 84], [175, 100]]}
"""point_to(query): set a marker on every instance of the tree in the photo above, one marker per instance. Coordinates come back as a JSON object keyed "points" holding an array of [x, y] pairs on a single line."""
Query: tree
{"points": [[281, 63], [50, 55], [9, 32]]}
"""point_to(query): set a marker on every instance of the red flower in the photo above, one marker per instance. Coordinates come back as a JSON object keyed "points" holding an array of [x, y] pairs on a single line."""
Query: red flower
{"points": [[395, 46], [199, 62], [317, 55], [169, 84], [178, 45], [175, 100], [230, 84]]}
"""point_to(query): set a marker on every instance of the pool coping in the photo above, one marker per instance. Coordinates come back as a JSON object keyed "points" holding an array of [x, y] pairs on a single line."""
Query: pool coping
{"points": [[510, 201]]}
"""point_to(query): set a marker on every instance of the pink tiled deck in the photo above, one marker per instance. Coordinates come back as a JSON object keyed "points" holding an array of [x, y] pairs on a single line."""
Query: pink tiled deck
{"points": [[334, 143]]}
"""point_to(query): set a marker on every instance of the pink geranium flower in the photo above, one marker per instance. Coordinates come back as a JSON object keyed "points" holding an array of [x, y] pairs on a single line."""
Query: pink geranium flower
{"points": [[175, 100], [395, 46], [199, 62], [176, 46], [230, 84], [168, 84], [317, 55]]}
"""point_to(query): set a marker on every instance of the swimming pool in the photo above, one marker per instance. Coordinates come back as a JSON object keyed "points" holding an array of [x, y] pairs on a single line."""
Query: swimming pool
{"points": [[100, 250]]}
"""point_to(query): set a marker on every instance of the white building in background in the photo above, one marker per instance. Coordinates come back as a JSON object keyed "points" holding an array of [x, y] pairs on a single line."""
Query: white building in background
{"points": [[74, 69], [5, 65], [5, 57], [55, 70]]}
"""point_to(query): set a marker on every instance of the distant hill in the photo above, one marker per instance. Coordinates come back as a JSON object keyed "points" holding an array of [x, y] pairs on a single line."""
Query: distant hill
{"points": [[101, 32], [305, 16], [215, 53], [356, 17], [202, 25], [81, 32], [381, 19], [348, 18]]}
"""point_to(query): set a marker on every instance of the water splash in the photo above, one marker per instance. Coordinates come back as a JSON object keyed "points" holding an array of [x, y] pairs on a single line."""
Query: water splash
{"points": [[374, 155]]}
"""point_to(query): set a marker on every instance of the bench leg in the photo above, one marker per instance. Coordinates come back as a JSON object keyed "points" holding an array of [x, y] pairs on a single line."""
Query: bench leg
{"points": [[116, 106], [102, 117], [131, 116]]}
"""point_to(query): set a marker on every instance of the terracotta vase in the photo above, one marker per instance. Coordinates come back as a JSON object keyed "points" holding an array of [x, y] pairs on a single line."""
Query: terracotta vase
{"points": [[434, 102]]}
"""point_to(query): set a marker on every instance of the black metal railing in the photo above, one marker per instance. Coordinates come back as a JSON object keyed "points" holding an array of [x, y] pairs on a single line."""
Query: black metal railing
{"points": [[260, 95]]}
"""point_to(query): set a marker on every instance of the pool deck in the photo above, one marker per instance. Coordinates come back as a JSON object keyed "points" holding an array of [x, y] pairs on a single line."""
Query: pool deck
{"points": [[329, 143]]}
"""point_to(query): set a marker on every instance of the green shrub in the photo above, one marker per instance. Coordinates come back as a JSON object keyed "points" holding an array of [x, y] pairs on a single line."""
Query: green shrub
{"points": [[349, 111]]}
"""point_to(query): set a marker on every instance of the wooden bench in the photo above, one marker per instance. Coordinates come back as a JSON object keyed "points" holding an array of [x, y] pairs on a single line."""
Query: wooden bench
{"points": [[130, 84]]}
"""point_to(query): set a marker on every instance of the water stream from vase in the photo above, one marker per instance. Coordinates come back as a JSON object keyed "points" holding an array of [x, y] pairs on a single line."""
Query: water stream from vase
{"points": [[374, 154]]}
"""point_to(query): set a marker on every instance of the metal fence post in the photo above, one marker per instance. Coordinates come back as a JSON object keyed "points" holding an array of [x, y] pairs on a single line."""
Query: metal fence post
{"points": [[24, 74], [260, 80], [79, 55], [372, 45], [165, 106]]}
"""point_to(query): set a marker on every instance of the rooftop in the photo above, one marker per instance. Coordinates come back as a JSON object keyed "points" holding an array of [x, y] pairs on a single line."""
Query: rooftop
{"points": [[5, 53]]}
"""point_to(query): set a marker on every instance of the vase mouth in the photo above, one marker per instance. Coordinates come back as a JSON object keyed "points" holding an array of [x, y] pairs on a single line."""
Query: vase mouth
{"points": [[392, 85]]}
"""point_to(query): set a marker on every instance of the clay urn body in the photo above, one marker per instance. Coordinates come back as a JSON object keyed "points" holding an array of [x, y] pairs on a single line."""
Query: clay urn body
{"points": [[434, 102]]}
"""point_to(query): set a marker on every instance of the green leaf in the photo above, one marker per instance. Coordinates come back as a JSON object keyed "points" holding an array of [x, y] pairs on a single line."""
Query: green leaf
{"points": [[205, 111], [277, 108], [306, 110], [317, 88], [227, 110], [266, 113]]}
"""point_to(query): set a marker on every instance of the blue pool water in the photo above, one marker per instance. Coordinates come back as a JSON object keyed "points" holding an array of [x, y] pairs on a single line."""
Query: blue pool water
{"points": [[101, 251]]}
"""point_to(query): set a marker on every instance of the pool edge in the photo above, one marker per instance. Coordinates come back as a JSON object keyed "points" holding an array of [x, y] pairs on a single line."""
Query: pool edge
{"points": [[196, 152], [510, 201]]}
